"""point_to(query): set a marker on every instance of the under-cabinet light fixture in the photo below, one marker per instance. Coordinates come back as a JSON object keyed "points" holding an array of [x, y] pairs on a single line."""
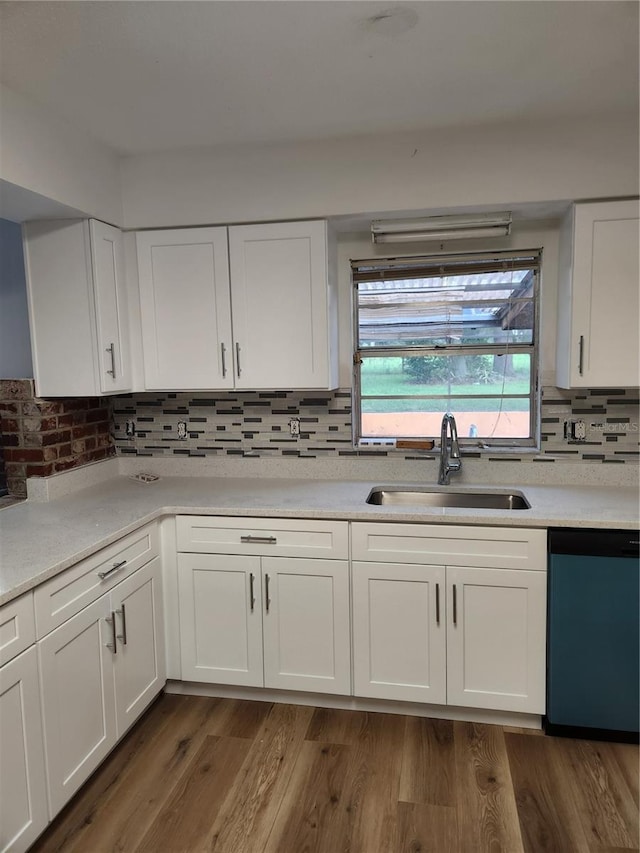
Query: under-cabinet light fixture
{"points": [[456, 227]]}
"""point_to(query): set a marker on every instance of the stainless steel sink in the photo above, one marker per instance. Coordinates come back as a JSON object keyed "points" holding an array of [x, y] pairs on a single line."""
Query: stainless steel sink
{"points": [[417, 496]]}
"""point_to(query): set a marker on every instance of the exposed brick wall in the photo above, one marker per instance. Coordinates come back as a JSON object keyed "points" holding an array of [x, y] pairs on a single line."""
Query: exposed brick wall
{"points": [[41, 437]]}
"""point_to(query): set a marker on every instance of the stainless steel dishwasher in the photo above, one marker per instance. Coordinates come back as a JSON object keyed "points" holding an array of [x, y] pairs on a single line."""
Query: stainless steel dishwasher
{"points": [[593, 659]]}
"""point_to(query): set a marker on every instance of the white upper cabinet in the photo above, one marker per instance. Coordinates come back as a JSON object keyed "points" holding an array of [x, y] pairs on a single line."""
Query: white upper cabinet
{"points": [[598, 302], [185, 309], [77, 308], [112, 317], [283, 306], [249, 307]]}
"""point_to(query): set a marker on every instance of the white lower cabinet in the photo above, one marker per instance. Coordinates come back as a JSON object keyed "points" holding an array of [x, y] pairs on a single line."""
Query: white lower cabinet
{"points": [[23, 795], [258, 620], [100, 669], [463, 635], [78, 699], [441, 615], [139, 665], [305, 624], [220, 623], [265, 621], [496, 638], [399, 634]]}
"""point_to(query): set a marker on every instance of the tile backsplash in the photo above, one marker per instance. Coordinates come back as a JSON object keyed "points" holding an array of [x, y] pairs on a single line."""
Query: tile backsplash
{"points": [[256, 424]]}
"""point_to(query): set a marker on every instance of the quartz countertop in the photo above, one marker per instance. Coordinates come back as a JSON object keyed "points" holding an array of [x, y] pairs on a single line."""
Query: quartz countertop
{"points": [[38, 540]]}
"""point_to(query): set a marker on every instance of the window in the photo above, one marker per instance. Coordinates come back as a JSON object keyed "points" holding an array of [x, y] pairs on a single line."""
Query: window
{"points": [[445, 333]]}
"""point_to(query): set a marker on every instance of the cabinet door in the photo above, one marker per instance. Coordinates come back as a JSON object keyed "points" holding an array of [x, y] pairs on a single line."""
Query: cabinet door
{"points": [[139, 660], [185, 309], [496, 644], [399, 649], [112, 321], [604, 293], [220, 608], [306, 624], [61, 308], [78, 700], [23, 793], [282, 305]]}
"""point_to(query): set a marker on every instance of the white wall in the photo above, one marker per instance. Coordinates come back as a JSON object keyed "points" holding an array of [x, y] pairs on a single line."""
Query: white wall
{"points": [[479, 166], [524, 235], [44, 155], [15, 341]]}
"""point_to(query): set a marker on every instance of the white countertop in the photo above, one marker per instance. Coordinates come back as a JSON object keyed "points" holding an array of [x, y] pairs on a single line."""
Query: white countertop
{"points": [[38, 540]]}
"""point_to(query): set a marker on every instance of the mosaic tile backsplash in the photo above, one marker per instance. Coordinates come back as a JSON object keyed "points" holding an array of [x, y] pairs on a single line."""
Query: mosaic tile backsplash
{"points": [[256, 424]]}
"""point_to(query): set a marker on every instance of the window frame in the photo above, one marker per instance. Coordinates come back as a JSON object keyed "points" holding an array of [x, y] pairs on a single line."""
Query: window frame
{"points": [[524, 444]]}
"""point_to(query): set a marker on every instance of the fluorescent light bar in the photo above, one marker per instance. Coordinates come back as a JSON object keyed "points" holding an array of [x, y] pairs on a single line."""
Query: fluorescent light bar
{"points": [[463, 233], [441, 228]]}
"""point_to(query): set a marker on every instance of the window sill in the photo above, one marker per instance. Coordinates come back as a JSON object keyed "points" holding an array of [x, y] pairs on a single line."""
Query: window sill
{"points": [[466, 449]]}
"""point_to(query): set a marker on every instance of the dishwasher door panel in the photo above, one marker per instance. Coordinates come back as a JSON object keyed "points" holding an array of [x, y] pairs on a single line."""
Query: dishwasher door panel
{"points": [[593, 657]]}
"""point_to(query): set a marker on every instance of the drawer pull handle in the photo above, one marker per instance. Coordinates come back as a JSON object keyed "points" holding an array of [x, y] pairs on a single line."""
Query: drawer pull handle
{"points": [[262, 540], [111, 620], [437, 604], [114, 568], [266, 591], [252, 597], [123, 615], [455, 605]]}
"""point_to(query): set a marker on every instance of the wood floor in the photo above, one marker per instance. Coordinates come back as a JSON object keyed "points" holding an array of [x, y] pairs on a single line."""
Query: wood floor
{"points": [[231, 776]]}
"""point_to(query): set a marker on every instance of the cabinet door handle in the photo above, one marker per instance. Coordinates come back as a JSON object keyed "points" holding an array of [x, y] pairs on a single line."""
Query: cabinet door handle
{"points": [[112, 372], [252, 598], [123, 615], [223, 351], [238, 358], [114, 568], [437, 604], [455, 605], [581, 355], [261, 540], [111, 620], [266, 592]]}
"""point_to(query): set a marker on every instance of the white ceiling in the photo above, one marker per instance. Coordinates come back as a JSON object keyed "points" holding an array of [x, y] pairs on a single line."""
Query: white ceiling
{"points": [[148, 76]]}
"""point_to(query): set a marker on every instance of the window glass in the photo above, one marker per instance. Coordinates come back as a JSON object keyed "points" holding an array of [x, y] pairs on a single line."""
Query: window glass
{"points": [[444, 339]]}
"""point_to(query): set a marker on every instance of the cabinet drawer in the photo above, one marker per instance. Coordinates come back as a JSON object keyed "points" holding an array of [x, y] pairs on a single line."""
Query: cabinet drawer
{"points": [[17, 627], [66, 594], [263, 536], [450, 545]]}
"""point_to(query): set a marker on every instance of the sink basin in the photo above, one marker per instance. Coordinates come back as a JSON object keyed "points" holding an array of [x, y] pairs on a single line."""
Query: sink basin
{"points": [[417, 496]]}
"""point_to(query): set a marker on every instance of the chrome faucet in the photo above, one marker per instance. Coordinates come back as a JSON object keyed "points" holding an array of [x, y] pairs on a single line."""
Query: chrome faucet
{"points": [[450, 461]]}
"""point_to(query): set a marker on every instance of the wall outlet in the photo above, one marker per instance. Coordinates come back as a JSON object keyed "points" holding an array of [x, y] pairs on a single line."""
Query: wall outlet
{"points": [[130, 429], [575, 431], [182, 429], [294, 427]]}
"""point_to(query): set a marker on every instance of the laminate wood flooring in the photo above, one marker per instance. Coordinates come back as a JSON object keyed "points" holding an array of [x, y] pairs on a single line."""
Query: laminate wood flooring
{"points": [[231, 776]]}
